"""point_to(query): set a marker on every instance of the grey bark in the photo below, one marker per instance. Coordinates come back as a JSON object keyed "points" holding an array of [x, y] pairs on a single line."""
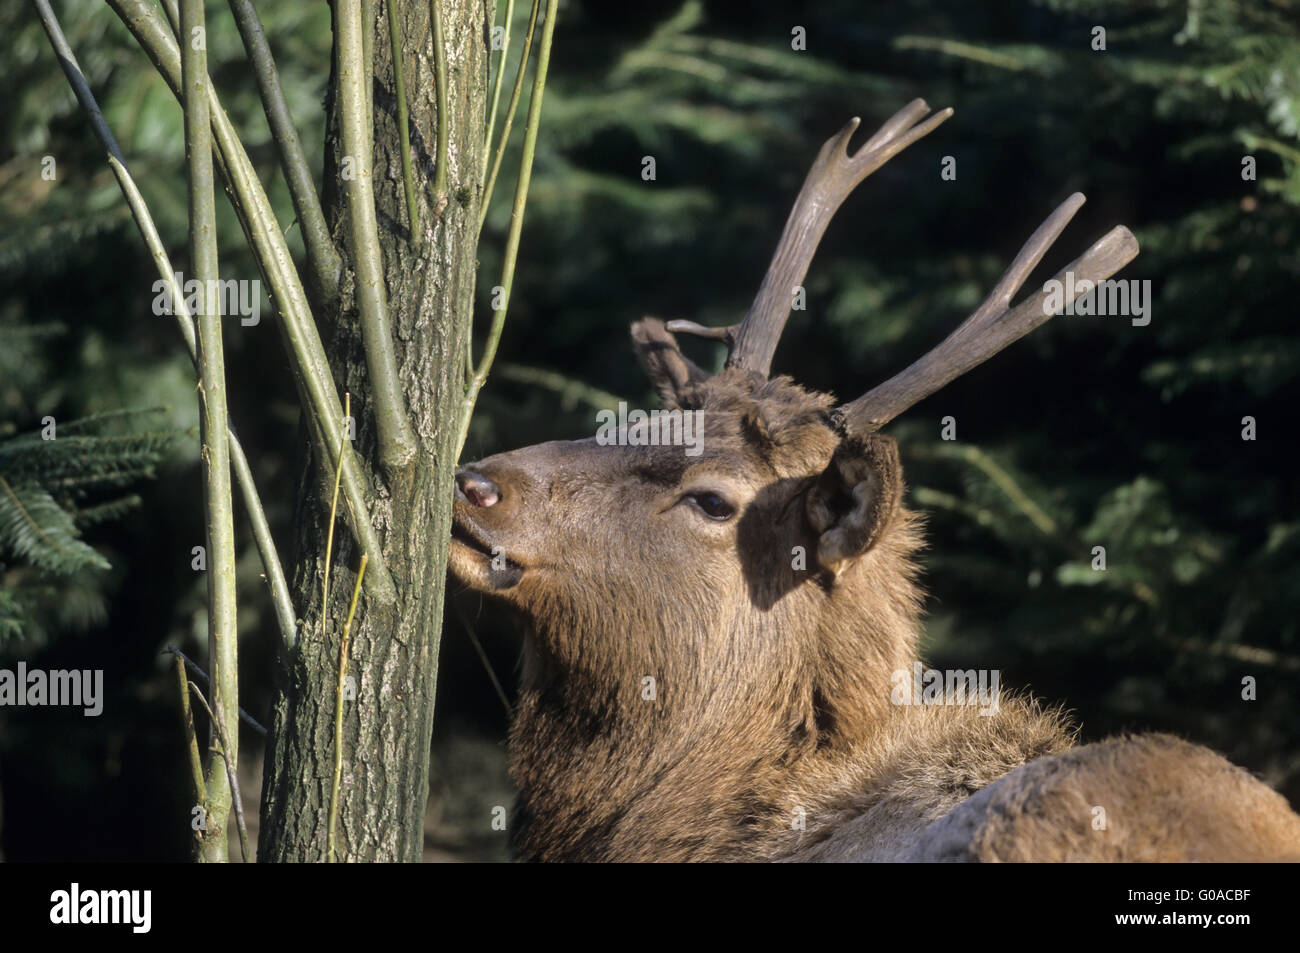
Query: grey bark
{"points": [[394, 647]]}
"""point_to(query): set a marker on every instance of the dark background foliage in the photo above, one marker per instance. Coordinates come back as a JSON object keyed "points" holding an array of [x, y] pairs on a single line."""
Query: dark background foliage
{"points": [[1091, 432]]}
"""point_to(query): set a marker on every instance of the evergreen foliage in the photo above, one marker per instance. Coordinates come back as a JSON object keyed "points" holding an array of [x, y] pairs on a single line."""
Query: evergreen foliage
{"points": [[54, 483]]}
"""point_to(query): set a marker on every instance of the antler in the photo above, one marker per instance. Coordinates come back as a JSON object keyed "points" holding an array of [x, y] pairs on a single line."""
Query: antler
{"points": [[994, 325], [834, 174]]}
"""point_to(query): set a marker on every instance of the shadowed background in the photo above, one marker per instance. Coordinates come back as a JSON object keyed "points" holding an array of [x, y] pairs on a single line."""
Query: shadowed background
{"points": [[1090, 432]]}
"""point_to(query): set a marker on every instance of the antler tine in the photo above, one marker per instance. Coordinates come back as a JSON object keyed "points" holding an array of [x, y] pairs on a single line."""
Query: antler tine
{"points": [[897, 123], [834, 174], [1031, 253], [991, 327], [727, 334]]}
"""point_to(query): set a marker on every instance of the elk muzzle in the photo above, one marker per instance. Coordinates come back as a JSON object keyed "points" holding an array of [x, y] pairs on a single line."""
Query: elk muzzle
{"points": [[476, 556]]}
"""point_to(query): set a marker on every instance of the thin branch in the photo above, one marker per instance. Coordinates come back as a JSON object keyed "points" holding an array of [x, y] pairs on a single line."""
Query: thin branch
{"points": [[1250, 654], [469, 354], [312, 373], [173, 11], [403, 121], [329, 534], [223, 634], [491, 182], [571, 390], [231, 777], [285, 618], [281, 601], [516, 224], [144, 221], [343, 651], [482, 657], [496, 89], [323, 257], [368, 21], [396, 440], [959, 50], [1000, 478], [440, 83], [197, 672], [338, 712], [191, 736]]}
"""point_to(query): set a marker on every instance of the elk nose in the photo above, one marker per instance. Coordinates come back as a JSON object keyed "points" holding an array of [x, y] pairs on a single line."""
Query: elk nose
{"points": [[476, 489]]}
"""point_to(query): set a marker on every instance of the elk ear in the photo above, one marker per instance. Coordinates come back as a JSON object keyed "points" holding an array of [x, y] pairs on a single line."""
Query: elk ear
{"points": [[854, 499], [672, 372]]}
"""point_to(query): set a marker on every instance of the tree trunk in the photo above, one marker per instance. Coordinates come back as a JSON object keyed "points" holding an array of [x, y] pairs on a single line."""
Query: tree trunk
{"points": [[394, 648]]}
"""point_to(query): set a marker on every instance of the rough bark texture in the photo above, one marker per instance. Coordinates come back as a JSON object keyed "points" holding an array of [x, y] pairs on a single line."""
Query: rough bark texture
{"points": [[394, 648]]}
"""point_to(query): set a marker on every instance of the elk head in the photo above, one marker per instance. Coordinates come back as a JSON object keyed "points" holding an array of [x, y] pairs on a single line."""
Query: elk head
{"points": [[704, 623]]}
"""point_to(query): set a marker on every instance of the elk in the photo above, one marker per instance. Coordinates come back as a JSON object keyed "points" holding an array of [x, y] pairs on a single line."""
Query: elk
{"points": [[691, 690]]}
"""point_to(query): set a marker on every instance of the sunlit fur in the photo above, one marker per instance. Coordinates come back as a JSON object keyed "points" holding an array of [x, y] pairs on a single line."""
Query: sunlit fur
{"points": [[771, 734]]}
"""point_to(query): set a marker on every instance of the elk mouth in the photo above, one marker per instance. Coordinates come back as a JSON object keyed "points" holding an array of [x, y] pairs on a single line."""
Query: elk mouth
{"points": [[473, 561]]}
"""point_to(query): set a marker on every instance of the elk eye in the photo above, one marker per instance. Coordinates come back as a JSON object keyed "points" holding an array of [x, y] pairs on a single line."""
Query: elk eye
{"points": [[712, 506]]}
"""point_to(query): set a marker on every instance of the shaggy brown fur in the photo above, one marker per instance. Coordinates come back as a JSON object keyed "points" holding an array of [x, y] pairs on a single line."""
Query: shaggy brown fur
{"points": [[696, 688]]}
